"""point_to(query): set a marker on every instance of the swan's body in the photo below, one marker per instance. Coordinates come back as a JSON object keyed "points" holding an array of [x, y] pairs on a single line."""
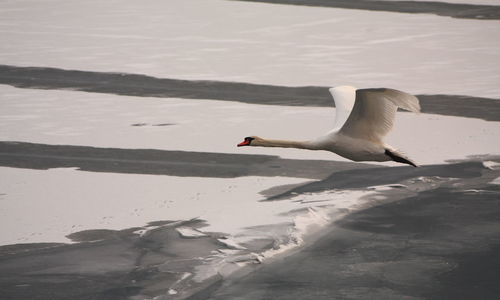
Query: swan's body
{"points": [[363, 118]]}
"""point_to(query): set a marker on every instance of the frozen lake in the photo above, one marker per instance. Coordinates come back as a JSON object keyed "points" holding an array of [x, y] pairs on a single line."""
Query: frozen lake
{"points": [[128, 172], [258, 43]]}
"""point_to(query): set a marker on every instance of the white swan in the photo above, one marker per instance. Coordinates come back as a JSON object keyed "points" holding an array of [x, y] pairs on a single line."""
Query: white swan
{"points": [[363, 117]]}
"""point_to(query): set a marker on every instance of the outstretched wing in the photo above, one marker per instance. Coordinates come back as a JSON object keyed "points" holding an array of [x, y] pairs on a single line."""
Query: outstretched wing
{"points": [[344, 97], [373, 114]]}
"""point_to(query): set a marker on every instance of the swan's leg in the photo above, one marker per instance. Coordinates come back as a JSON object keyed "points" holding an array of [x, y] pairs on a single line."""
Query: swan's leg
{"points": [[399, 158]]}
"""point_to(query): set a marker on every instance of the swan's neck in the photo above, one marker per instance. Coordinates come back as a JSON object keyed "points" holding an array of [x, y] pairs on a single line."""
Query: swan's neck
{"points": [[285, 144]]}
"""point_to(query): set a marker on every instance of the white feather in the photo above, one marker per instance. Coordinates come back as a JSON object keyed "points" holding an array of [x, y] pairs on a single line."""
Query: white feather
{"points": [[344, 97], [374, 111]]}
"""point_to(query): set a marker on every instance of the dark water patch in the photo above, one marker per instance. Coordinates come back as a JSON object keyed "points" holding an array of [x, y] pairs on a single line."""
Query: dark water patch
{"points": [[163, 162], [476, 274], [147, 86], [417, 214], [454, 10]]}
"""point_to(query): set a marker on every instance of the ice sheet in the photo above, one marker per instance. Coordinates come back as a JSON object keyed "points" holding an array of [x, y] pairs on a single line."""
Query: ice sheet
{"points": [[45, 206], [102, 120], [256, 42]]}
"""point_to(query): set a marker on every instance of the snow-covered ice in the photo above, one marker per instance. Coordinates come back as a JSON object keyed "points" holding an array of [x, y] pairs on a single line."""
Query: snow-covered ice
{"points": [[256, 42], [225, 41], [45, 206], [102, 120]]}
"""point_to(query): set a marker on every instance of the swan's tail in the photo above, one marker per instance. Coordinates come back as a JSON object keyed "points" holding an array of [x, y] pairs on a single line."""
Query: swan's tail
{"points": [[399, 157]]}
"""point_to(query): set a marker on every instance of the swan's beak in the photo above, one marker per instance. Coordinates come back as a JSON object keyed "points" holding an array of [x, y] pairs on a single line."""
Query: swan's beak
{"points": [[244, 143]]}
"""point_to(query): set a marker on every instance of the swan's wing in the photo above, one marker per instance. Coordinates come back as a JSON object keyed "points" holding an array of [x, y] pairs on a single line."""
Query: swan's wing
{"points": [[372, 116], [344, 97]]}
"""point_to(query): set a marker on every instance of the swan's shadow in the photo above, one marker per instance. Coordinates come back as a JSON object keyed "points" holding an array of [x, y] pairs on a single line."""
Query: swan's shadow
{"points": [[366, 177]]}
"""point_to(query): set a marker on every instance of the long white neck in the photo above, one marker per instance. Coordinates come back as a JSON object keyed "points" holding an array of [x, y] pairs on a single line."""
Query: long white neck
{"points": [[285, 144]]}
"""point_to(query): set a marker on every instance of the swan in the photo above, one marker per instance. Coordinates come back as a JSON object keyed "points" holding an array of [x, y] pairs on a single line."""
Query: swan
{"points": [[363, 117]]}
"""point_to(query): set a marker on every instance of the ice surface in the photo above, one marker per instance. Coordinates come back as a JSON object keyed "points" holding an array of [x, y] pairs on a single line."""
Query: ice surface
{"points": [[256, 42], [45, 206], [476, 2], [225, 41], [102, 120], [48, 205]]}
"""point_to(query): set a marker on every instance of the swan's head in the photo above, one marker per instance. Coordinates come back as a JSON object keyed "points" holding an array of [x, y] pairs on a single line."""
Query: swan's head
{"points": [[250, 141]]}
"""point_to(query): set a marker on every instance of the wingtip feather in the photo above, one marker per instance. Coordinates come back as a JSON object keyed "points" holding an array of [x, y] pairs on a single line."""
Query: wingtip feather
{"points": [[404, 100]]}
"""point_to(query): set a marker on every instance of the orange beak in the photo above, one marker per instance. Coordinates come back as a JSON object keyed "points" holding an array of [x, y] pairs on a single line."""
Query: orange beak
{"points": [[244, 143]]}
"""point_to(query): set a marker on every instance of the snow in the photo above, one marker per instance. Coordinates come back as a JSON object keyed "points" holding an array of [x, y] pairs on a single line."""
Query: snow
{"points": [[45, 206], [256, 42]]}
